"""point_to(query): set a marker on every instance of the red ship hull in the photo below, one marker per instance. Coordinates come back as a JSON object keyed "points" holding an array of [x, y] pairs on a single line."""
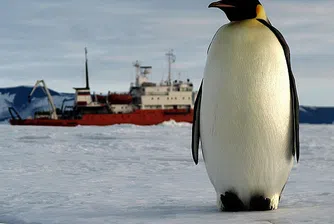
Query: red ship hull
{"points": [[139, 117]]}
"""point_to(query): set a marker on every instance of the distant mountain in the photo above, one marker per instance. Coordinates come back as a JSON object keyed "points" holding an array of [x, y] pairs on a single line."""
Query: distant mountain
{"points": [[316, 115], [17, 97]]}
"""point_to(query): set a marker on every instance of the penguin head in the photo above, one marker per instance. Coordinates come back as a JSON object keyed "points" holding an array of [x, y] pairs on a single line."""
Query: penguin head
{"points": [[237, 10]]}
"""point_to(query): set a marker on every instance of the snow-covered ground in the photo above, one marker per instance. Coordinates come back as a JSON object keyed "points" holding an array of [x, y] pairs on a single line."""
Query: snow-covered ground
{"points": [[131, 174]]}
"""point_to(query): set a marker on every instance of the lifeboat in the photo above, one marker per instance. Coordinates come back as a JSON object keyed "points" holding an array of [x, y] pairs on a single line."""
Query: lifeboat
{"points": [[115, 98]]}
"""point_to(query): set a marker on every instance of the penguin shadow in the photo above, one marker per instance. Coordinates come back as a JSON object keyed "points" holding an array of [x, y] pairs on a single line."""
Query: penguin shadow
{"points": [[203, 212], [172, 210], [166, 211]]}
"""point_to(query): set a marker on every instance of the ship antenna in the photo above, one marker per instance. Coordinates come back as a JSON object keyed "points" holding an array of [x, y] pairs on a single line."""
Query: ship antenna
{"points": [[171, 59], [86, 62]]}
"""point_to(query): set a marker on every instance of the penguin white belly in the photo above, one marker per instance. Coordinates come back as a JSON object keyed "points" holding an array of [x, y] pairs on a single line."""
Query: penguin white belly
{"points": [[246, 116]]}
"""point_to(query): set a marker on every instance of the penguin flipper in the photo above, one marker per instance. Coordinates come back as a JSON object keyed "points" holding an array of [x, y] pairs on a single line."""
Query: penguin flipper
{"points": [[293, 89], [196, 125]]}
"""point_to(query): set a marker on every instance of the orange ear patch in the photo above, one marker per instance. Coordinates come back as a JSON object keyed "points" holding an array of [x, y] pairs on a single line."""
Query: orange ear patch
{"points": [[260, 12]]}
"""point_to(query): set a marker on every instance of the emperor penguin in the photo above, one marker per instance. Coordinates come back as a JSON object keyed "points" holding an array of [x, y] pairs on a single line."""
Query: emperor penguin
{"points": [[246, 113]]}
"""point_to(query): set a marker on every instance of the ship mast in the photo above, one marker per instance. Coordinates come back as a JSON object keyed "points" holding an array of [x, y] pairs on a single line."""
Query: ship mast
{"points": [[171, 59], [87, 80], [137, 66]]}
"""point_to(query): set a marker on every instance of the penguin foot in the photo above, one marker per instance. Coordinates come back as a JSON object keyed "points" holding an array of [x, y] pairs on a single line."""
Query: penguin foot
{"points": [[230, 202], [260, 203]]}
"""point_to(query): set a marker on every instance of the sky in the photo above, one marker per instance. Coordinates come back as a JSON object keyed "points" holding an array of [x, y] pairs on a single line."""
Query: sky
{"points": [[45, 39]]}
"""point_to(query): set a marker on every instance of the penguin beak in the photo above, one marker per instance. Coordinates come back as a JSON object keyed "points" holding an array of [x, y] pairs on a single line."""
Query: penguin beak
{"points": [[223, 4]]}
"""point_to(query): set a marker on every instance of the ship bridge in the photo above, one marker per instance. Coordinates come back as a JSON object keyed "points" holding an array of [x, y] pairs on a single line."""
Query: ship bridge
{"points": [[165, 95]]}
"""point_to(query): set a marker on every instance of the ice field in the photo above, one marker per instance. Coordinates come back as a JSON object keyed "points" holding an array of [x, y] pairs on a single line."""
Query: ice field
{"points": [[132, 174]]}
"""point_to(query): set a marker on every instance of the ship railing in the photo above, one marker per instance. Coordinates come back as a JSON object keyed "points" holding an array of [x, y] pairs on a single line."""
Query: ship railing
{"points": [[12, 111], [156, 93]]}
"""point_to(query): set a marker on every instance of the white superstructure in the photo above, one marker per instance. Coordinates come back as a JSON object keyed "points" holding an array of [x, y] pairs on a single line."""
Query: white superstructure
{"points": [[166, 95]]}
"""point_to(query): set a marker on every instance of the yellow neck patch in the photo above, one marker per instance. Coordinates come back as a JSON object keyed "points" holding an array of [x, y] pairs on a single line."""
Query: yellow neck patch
{"points": [[261, 13]]}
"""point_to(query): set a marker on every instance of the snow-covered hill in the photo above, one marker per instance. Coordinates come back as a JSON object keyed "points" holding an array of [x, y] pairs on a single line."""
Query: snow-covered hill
{"points": [[17, 97]]}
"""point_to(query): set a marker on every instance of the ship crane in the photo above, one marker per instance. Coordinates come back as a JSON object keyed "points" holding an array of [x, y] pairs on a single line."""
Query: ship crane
{"points": [[53, 112]]}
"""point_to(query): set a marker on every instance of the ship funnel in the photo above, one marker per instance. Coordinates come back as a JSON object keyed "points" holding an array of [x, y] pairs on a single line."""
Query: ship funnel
{"points": [[86, 63]]}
